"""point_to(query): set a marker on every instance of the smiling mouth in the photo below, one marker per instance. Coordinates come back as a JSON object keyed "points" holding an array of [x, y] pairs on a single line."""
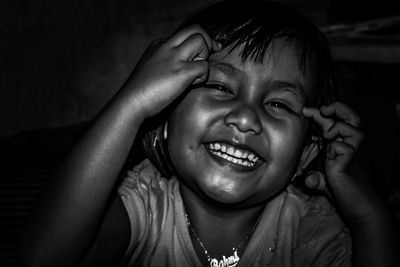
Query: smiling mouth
{"points": [[233, 154]]}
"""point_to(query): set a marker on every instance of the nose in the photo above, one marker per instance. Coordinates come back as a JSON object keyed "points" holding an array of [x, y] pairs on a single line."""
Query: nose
{"points": [[245, 119]]}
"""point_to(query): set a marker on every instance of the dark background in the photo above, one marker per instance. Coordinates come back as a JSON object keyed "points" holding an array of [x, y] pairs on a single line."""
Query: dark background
{"points": [[61, 61]]}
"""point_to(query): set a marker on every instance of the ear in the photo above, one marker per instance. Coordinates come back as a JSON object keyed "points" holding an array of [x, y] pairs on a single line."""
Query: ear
{"points": [[310, 152]]}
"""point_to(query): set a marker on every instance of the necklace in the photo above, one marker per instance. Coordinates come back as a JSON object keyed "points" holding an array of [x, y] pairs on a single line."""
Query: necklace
{"points": [[229, 261]]}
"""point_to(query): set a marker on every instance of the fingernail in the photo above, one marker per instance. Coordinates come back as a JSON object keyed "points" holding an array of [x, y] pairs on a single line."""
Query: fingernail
{"points": [[324, 107]]}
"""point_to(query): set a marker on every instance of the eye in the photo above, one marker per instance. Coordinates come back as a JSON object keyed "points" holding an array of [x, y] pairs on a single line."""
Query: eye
{"points": [[219, 87], [279, 105]]}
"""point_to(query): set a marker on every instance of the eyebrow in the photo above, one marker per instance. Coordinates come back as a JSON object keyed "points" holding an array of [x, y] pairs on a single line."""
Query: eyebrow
{"points": [[225, 67], [293, 87]]}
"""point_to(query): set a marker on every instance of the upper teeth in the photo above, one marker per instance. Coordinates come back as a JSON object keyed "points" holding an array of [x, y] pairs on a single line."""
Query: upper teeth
{"points": [[235, 155]]}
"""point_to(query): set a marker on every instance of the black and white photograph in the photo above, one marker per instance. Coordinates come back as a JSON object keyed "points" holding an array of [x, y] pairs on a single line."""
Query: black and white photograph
{"points": [[201, 133]]}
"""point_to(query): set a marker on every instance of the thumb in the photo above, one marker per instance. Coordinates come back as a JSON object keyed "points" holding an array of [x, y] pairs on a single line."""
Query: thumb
{"points": [[316, 180], [200, 71]]}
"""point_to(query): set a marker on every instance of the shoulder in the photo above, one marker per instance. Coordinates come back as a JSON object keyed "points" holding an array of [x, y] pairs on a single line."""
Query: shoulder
{"points": [[144, 191], [310, 207], [306, 210], [321, 235], [149, 200], [144, 178]]}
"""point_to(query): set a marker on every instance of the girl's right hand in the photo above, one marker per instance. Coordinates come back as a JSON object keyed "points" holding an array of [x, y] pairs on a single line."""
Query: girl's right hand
{"points": [[169, 66]]}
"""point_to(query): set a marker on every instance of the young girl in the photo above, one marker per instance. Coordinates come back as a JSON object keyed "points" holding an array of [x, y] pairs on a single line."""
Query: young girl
{"points": [[244, 91]]}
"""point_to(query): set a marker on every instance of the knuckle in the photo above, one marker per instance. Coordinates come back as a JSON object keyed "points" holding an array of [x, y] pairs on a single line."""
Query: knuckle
{"points": [[348, 149], [178, 69], [342, 106], [195, 29], [198, 37], [337, 104], [202, 36]]}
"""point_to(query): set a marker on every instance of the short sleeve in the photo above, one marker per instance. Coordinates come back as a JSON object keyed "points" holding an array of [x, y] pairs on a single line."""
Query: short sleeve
{"points": [[335, 252], [143, 192], [323, 239]]}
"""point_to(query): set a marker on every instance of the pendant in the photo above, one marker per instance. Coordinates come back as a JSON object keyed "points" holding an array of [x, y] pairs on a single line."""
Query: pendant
{"points": [[230, 261]]}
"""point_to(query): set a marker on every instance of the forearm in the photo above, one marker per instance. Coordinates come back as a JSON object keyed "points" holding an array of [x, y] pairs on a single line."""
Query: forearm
{"points": [[67, 219], [375, 242]]}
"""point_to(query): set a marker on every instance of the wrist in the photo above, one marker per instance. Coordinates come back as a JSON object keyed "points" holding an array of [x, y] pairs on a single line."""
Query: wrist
{"points": [[377, 218], [374, 241], [133, 103]]}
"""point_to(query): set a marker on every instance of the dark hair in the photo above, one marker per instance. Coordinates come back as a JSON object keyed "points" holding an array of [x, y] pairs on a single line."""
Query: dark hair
{"points": [[255, 25]]}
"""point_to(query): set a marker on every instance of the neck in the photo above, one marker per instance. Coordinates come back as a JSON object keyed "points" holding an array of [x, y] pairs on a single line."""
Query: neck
{"points": [[218, 227]]}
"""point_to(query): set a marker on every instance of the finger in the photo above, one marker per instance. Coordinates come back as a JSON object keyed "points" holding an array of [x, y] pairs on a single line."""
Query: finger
{"points": [[199, 71], [217, 46], [342, 112], [315, 180], [178, 38], [194, 48], [315, 114], [339, 156], [345, 132]]}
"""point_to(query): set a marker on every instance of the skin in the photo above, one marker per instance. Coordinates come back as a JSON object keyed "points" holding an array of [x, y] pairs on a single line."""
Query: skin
{"points": [[257, 105], [343, 181], [83, 187], [252, 104], [74, 224]]}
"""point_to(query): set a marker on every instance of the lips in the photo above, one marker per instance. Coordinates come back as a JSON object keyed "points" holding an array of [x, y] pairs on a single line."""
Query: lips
{"points": [[235, 154]]}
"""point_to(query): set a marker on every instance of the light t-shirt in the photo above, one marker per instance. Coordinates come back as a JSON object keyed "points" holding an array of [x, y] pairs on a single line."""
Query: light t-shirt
{"points": [[294, 229]]}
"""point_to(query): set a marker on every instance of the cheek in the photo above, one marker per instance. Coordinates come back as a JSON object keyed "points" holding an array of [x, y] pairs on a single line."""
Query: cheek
{"points": [[188, 125], [196, 113], [286, 141], [188, 118]]}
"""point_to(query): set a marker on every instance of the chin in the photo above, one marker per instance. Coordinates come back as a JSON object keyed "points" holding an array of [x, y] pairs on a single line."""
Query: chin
{"points": [[225, 193], [224, 197]]}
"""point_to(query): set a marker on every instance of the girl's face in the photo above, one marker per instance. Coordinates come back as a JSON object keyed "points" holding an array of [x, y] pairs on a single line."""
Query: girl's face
{"points": [[239, 138]]}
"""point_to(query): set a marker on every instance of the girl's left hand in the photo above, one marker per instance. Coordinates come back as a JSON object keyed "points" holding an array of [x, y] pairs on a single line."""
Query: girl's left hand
{"points": [[343, 180]]}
